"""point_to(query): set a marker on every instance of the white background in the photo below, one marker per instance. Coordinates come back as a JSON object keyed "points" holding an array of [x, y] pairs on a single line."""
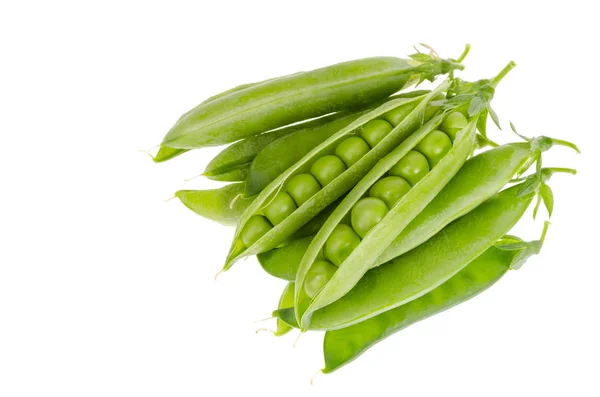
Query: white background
{"points": [[105, 290]]}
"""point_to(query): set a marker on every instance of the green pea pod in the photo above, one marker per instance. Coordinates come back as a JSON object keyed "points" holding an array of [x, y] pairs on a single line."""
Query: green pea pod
{"points": [[344, 345], [340, 185], [298, 97], [379, 237], [286, 301], [427, 266], [240, 155], [285, 151], [166, 153], [223, 205]]}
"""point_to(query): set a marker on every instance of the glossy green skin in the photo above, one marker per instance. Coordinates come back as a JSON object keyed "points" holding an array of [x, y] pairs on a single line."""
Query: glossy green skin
{"points": [[424, 268], [327, 168], [374, 131], [255, 228], [318, 276], [216, 204], [342, 241], [280, 208], [238, 174], [283, 262], [302, 187], [413, 167], [480, 177], [351, 150], [335, 189], [434, 147], [285, 301], [167, 153], [344, 345], [453, 123], [286, 151], [367, 213], [378, 238], [240, 154], [290, 99], [397, 115], [390, 189]]}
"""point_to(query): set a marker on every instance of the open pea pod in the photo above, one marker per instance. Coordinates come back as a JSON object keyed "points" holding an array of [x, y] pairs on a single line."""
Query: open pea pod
{"points": [[361, 258], [271, 236], [289, 99], [342, 346], [422, 269]]}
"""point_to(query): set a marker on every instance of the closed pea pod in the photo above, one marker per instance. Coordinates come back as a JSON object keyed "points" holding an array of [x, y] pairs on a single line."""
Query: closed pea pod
{"points": [[321, 199], [342, 346], [297, 97], [285, 301]]}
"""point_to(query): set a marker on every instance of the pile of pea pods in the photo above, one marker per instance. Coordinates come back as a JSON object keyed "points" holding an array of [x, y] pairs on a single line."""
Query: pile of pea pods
{"points": [[379, 204]]}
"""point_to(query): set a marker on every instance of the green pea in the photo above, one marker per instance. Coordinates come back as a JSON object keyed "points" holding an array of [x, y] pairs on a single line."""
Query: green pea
{"points": [[318, 275], [327, 168], [367, 213], [256, 227], [390, 189], [374, 131], [351, 150], [395, 116], [435, 146], [340, 244], [453, 123], [302, 187], [412, 167], [280, 208]]}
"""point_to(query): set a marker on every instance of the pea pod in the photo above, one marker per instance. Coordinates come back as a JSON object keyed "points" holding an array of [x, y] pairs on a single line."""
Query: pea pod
{"points": [[342, 346], [237, 174], [283, 262], [314, 204], [167, 153], [298, 97], [427, 266], [223, 205]]}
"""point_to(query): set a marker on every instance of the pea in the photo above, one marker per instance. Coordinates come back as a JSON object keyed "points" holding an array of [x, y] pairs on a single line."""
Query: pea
{"points": [[374, 131], [411, 167], [351, 150], [327, 168], [318, 276], [395, 116], [453, 123], [435, 146], [340, 244], [256, 227], [390, 189], [302, 187], [367, 213], [280, 208]]}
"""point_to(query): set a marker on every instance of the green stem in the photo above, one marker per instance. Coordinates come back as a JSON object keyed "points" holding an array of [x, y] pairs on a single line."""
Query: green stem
{"points": [[465, 53], [502, 73], [561, 142], [561, 170], [543, 237]]}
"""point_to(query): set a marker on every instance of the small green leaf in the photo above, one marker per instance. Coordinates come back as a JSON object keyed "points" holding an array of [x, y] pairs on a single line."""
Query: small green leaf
{"points": [[494, 117], [476, 106], [420, 57], [548, 197], [482, 123], [537, 206]]}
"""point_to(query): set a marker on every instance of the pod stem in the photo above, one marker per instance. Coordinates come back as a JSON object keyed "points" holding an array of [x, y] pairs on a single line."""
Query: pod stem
{"points": [[502, 73], [560, 142], [464, 53]]}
